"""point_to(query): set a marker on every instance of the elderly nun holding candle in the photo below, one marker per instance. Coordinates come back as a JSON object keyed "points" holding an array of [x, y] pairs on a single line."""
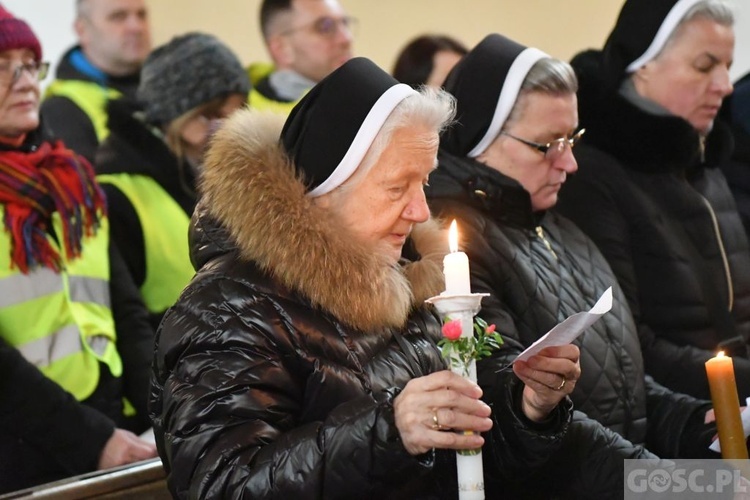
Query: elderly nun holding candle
{"points": [[301, 361]]}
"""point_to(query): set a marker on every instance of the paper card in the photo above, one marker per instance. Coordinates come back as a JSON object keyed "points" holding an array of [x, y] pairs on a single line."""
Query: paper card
{"points": [[569, 330], [715, 446]]}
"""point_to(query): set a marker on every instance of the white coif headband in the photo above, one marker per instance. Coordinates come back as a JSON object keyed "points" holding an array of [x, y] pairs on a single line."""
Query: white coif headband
{"points": [[370, 127], [508, 95], [676, 14]]}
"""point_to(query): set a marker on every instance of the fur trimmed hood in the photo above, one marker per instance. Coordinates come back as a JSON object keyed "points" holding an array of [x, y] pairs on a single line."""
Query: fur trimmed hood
{"points": [[251, 188]]}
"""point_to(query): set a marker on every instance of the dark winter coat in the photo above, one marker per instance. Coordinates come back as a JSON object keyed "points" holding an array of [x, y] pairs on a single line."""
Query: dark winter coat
{"points": [[539, 268], [276, 371], [649, 195], [737, 171], [737, 168]]}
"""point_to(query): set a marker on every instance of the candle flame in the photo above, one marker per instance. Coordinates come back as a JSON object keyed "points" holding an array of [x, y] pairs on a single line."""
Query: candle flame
{"points": [[453, 236], [720, 354]]}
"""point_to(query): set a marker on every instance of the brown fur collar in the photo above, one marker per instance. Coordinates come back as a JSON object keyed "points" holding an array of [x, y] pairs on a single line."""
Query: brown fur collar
{"points": [[250, 186]]}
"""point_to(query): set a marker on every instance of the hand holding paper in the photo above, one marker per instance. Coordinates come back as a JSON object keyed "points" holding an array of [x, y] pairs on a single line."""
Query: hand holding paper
{"points": [[569, 330]]}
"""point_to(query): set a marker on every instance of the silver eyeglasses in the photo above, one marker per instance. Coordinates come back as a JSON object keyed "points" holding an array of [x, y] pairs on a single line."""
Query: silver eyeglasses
{"points": [[10, 74], [327, 27], [554, 149]]}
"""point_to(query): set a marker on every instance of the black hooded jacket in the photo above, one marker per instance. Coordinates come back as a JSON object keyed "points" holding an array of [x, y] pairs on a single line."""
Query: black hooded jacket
{"points": [[652, 199]]}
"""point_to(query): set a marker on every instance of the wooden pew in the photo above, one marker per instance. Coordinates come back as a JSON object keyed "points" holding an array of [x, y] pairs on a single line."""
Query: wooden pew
{"points": [[141, 480]]}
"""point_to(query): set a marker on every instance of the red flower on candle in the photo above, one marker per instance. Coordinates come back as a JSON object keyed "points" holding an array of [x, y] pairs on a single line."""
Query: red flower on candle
{"points": [[452, 329], [459, 351]]}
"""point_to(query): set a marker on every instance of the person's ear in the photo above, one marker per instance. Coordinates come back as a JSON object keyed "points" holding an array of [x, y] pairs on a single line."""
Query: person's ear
{"points": [[643, 73], [79, 26], [281, 51]]}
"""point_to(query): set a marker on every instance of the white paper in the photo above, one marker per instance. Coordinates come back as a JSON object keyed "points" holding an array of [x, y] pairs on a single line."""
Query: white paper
{"points": [[148, 435], [569, 330], [716, 446]]}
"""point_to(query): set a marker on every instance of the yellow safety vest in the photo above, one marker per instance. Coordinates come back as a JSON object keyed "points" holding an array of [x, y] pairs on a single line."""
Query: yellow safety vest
{"points": [[62, 321], [256, 100], [91, 97], [165, 238]]}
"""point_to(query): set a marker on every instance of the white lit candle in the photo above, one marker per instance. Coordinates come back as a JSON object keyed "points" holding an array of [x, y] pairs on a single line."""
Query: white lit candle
{"points": [[456, 267]]}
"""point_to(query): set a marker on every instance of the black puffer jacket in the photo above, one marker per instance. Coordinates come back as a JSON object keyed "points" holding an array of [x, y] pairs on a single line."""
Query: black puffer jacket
{"points": [[667, 224], [276, 371], [539, 269]]}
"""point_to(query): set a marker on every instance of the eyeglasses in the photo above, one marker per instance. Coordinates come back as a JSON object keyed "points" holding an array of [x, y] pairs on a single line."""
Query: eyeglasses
{"points": [[10, 74], [552, 150], [327, 27]]}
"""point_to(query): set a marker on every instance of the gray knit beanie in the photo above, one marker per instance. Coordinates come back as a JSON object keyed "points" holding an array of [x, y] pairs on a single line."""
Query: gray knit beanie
{"points": [[188, 71]]}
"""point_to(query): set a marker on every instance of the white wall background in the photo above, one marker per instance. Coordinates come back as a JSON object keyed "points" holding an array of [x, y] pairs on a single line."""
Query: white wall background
{"points": [[52, 21]]}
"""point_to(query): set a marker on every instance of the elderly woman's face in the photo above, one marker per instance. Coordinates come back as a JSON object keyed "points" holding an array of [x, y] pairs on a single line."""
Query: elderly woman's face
{"points": [[543, 118], [382, 208], [691, 76], [19, 100]]}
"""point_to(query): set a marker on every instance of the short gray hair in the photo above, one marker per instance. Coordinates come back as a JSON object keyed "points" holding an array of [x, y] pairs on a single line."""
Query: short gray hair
{"points": [[548, 76], [430, 107], [718, 11]]}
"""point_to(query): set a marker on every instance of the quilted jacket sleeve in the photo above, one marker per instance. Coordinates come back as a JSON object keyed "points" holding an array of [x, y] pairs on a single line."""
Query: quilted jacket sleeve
{"points": [[228, 406], [675, 424]]}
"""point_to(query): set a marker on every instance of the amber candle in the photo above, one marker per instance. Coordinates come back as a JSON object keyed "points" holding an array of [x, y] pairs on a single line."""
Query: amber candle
{"points": [[726, 402]]}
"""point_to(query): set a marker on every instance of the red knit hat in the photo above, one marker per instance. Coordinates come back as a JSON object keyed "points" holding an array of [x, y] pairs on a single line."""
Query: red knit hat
{"points": [[16, 34]]}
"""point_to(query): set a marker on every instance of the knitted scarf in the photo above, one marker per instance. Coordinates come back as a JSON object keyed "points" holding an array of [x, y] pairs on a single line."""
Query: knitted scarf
{"points": [[33, 186]]}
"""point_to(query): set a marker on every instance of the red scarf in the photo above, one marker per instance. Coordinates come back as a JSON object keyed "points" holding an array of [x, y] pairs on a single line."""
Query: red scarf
{"points": [[33, 186]]}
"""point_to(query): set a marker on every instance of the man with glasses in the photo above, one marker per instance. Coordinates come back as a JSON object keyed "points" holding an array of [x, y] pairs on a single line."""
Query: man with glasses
{"points": [[501, 168], [114, 40], [307, 40]]}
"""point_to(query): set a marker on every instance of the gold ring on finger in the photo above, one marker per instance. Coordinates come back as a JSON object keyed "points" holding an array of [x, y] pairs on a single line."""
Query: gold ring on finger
{"points": [[562, 384], [435, 422]]}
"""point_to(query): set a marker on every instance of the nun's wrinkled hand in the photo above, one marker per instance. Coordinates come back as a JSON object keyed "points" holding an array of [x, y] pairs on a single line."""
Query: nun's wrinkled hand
{"points": [[549, 376], [442, 401]]}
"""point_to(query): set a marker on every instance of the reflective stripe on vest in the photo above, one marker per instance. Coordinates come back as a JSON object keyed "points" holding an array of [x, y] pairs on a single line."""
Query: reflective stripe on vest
{"points": [[64, 342], [91, 97], [46, 282], [62, 322], [165, 228]]}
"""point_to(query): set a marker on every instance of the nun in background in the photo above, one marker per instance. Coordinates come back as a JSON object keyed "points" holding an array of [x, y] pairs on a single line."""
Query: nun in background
{"points": [[648, 190], [301, 361]]}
